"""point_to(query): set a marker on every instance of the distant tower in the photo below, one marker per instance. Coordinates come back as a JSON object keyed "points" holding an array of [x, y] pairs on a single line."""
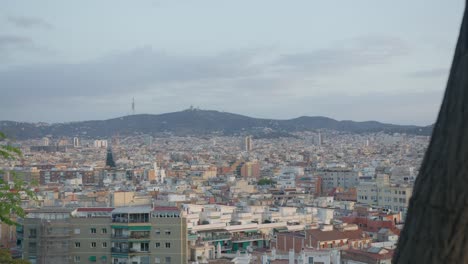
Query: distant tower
{"points": [[133, 105], [76, 142], [45, 141], [110, 159], [320, 139], [248, 144]]}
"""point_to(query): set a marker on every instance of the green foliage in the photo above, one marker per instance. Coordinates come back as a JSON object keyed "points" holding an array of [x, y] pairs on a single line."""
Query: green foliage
{"points": [[5, 258], [11, 192], [7, 151], [265, 181]]}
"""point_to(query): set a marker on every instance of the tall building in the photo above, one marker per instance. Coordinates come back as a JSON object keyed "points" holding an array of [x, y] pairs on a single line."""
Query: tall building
{"points": [[248, 144], [250, 170], [45, 141], [337, 177], [381, 192], [76, 142], [320, 139], [125, 235], [46, 236], [148, 235], [110, 159], [100, 143]]}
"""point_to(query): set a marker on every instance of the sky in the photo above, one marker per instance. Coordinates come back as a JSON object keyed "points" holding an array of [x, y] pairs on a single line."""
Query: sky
{"points": [[63, 61]]}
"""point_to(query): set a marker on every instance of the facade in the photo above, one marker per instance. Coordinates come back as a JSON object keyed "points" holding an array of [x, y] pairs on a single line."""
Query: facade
{"points": [[90, 235], [250, 170], [146, 235], [248, 144], [46, 236], [100, 143], [310, 184], [384, 194], [337, 177], [127, 235], [76, 142]]}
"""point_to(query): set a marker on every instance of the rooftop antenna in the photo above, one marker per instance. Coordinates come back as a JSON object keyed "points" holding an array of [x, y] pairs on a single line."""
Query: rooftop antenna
{"points": [[133, 106]]}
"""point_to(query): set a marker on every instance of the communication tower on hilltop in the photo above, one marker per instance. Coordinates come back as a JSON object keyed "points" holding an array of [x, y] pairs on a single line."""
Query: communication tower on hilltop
{"points": [[133, 105]]}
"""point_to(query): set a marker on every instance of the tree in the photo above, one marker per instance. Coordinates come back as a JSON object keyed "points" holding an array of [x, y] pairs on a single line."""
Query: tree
{"points": [[265, 181], [11, 192], [5, 258], [436, 226]]}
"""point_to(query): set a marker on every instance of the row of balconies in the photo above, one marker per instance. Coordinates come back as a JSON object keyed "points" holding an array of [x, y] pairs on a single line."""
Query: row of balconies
{"points": [[128, 250], [132, 235]]}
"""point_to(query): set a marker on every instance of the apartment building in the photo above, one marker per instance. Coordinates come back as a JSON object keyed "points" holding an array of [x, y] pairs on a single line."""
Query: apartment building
{"points": [[337, 177], [148, 235], [382, 193], [126, 235]]}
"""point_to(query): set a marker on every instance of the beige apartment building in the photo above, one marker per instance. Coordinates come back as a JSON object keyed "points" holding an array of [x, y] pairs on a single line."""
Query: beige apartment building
{"points": [[384, 194]]}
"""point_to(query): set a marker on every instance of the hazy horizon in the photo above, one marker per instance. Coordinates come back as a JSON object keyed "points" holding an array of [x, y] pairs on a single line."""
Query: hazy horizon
{"points": [[360, 61]]}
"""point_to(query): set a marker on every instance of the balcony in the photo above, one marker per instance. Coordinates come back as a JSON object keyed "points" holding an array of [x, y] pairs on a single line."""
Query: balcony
{"points": [[249, 238], [140, 235], [130, 218], [120, 250], [120, 236], [134, 250], [217, 237]]}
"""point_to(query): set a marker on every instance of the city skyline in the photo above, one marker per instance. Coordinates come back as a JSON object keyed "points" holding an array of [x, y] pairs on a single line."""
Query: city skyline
{"points": [[279, 61]]}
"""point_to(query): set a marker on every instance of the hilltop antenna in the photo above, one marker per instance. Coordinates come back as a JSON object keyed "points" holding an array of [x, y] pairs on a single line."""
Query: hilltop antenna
{"points": [[133, 106]]}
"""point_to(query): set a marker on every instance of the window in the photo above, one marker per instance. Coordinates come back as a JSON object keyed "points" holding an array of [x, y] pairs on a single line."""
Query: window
{"points": [[104, 244], [77, 231], [144, 247], [168, 232], [93, 230], [157, 245], [104, 231], [157, 231], [157, 260], [168, 245], [168, 259], [93, 244], [77, 258], [77, 244], [32, 233]]}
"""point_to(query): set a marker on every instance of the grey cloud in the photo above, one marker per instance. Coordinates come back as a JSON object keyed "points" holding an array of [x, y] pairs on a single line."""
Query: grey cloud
{"points": [[29, 22], [14, 41], [122, 73], [432, 73], [349, 54]]}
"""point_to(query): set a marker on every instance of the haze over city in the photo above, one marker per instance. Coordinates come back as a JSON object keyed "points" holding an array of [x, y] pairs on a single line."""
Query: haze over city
{"points": [[359, 60]]}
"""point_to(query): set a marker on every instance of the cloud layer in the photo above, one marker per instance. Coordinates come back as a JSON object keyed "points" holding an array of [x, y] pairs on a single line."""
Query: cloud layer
{"points": [[255, 82]]}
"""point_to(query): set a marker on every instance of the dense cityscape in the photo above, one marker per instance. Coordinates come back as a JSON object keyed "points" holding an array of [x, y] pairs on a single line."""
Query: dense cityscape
{"points": [[320, 196], [233, 132]]}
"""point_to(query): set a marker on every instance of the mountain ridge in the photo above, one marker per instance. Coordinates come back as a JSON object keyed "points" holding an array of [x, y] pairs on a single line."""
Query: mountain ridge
{"points": [[198, 122]]}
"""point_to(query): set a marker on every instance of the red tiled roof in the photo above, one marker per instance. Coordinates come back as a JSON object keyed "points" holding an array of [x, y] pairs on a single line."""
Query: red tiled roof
{"points": [[364, 253], [317, 235]]}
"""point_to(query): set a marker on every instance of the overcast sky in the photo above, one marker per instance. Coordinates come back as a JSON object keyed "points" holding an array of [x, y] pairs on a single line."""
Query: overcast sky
{"points": [[66, 61]]}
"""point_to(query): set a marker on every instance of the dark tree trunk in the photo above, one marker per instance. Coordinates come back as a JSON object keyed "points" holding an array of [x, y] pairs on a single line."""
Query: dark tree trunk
{"points": [[436, 229]]}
